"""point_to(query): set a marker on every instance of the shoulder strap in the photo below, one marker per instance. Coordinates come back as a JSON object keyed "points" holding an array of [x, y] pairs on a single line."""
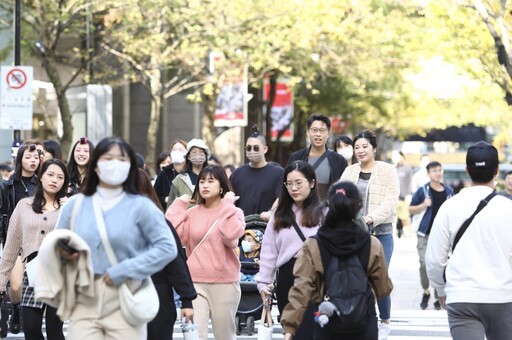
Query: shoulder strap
{"points": [[204, 237], [467, 222], [297, 229], [103, 231], [320, 160]]}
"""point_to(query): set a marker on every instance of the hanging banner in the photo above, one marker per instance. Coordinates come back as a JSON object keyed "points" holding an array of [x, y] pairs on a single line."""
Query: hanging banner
{"points": [[282, 110], [16, 97], [231, 105]]}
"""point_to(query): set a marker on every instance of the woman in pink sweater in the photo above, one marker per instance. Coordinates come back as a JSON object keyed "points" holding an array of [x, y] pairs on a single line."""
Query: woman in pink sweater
{"points": [[210, 231]]}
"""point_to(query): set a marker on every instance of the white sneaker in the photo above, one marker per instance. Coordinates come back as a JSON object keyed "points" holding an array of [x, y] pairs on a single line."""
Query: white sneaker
{"points": [[384, 330]]}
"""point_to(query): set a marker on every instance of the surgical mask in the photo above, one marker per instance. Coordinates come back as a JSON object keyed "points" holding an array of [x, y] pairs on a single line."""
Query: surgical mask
{"points": [[197, 159], [178, 157], [246, 246], [347, 152], [254, 157], [113, 172]]}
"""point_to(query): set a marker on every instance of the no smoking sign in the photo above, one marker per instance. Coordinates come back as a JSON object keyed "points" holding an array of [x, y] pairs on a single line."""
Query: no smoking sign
{"points": [[16, 79], [16, 98]]}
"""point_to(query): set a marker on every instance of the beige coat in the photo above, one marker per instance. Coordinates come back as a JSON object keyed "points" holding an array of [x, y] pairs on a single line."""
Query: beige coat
{"points": [[309, 281], [383, 190]]}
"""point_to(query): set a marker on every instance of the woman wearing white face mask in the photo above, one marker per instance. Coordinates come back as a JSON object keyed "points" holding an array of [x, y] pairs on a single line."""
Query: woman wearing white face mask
{"points": [[196, 158], [164, 179], [343, 146], [136, 230]]}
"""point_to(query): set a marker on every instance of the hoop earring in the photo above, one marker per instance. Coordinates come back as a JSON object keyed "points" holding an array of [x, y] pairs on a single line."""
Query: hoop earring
{"points": [[220, 191]]}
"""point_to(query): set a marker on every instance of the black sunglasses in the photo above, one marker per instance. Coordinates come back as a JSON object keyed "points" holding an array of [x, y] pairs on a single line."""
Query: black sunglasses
{"points": [[83, 140], [256, 148]]}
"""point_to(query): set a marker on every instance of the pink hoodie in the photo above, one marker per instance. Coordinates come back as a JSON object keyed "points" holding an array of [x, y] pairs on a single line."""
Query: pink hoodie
{"points": [[215, 261]]}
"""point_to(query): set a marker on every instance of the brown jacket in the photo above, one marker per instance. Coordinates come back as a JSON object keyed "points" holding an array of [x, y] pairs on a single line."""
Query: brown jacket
{"points": [[309, 281]]}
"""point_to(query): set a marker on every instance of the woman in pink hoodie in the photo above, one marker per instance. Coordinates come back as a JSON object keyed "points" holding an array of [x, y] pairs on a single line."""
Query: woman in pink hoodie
{"points": [[210, 231]]}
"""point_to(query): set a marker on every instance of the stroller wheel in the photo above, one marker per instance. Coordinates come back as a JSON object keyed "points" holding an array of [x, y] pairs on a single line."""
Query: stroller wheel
{"points": [[250, 325], [238, 327]]}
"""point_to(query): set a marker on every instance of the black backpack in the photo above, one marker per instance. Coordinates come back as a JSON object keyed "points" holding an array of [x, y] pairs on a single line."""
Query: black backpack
{"points": [[347, 287]]}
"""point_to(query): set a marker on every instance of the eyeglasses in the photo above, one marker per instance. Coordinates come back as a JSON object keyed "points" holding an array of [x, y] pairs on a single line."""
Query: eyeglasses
{"points": [[317, 130], [256, 148], [298, 183]]}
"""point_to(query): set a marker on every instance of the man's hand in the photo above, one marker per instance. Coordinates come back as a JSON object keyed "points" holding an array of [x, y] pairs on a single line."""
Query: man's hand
{"points": [[442, 301]]}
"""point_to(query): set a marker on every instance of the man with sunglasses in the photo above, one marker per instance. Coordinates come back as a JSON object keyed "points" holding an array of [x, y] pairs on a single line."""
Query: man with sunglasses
{"points": [[328, 165], [258, 183]]}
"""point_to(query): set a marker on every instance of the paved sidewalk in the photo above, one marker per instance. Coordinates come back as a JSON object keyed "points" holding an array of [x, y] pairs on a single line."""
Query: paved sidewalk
{"points": [[404, 272]]}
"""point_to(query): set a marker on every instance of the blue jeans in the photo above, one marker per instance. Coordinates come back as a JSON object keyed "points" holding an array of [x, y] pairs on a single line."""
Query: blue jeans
{"points": [[385, 302]]}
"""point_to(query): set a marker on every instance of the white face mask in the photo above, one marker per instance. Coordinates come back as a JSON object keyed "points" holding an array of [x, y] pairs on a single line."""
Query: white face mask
{"points": [[347, 152], [246, 246], [197, 159], [178, 157], [113, 172]]}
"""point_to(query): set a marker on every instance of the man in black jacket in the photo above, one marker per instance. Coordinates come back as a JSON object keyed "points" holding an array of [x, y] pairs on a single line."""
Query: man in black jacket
{"points": [[328, 164]]}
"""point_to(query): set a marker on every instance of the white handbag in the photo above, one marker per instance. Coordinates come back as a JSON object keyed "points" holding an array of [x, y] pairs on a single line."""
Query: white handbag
{"points": [[266, 327], [138, 299]]}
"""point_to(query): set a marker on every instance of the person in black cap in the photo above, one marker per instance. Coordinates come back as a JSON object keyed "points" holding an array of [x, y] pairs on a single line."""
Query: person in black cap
{"points": [[474, 280]]}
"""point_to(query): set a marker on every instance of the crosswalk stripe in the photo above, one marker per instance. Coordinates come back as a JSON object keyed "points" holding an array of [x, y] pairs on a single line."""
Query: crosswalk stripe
{"points": [[405, 324]]}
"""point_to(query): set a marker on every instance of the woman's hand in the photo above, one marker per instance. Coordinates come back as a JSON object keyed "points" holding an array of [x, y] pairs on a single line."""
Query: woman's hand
{"points": [[67, 253], [106, 278], [266, 295], [188, 314], [368, 220], [230, 196]]}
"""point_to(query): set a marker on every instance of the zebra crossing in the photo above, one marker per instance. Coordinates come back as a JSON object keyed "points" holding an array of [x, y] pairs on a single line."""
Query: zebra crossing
{"points": [[405, 324]]}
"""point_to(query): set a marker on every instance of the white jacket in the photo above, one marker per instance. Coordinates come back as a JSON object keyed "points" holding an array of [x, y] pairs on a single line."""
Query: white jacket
{"points": [[480, 268], [58, 284]]}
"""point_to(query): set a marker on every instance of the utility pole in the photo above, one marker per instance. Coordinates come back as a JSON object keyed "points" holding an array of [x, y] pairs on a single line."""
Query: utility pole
{"points": [[17, 56]]}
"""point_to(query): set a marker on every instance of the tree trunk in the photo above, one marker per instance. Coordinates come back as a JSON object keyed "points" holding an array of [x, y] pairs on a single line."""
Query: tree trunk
{"points": [[156, 107], [67, 127], [208, 130]]}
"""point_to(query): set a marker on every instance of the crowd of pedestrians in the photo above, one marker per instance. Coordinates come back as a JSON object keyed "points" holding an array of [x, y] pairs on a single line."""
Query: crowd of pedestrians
{"points": [[113, 221]]}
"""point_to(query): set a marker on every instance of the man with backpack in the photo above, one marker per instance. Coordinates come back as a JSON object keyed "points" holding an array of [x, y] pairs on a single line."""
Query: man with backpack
{"points": [[424, 206], [474, 282], [344, 267]]}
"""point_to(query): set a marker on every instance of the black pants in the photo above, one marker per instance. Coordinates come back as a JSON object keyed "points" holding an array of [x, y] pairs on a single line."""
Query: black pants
{"points": [[285, 278], [162, 325], [33, 323]]}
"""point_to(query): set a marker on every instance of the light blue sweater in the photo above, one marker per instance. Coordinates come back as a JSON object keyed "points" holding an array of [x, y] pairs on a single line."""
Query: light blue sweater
{"points": [[137, 231]]}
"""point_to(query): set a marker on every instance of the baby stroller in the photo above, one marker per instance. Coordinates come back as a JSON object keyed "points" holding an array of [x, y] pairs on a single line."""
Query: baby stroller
{"points": [[250, 306]]}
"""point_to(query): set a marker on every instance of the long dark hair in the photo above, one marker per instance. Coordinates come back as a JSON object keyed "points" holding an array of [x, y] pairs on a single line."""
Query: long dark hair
{"points": [[39, 200], [146, 188], [74, 172], [92, 180], [214, 171], [344, 203], [311, 215], [18, 166]]}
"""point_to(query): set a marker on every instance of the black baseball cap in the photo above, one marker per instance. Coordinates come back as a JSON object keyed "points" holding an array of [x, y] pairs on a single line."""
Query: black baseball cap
{"points": [[482, 156]]}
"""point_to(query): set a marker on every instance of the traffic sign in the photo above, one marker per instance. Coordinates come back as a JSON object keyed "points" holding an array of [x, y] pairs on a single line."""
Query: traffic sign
{"points": [[16, 97]]}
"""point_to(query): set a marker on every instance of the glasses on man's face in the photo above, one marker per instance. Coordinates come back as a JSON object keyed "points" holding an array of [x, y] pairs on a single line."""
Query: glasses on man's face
{"points": [[323, 131], [256, 148], [298, 183]]}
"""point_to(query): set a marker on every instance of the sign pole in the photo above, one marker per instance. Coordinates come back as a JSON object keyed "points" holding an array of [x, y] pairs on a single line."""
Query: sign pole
{"points": [[17, 56]]}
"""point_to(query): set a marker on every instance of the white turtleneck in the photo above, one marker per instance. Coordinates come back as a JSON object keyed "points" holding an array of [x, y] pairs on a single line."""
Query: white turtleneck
{"points": [[107, 198]]}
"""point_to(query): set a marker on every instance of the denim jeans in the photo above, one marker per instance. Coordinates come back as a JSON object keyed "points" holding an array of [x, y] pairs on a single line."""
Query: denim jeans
{"points": [[385, 303]]}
